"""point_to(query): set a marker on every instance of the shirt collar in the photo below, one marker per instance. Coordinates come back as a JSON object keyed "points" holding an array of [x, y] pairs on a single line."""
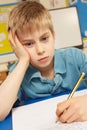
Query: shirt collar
{"points": [[32, 72]]}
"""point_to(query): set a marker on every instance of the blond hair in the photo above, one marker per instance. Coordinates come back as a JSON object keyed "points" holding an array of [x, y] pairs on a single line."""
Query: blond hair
{"points": [[27, 15]]}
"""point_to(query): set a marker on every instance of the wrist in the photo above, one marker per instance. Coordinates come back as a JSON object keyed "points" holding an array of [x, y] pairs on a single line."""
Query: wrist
{"points": [[24, 62]]}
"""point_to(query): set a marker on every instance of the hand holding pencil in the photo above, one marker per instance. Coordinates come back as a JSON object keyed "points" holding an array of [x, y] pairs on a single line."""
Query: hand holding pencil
{"points": [[73, 109]]}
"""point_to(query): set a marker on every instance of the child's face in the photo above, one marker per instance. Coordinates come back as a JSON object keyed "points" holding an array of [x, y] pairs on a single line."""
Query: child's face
{"points": [[40, 46]]}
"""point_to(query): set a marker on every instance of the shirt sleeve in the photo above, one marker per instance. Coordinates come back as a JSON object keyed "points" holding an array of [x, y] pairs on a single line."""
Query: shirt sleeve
{"points": [[11, 67], [80, 59]]}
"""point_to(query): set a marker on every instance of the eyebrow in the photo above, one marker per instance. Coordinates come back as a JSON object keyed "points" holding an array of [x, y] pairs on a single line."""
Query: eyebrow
{"points": [[29, 40], [45, 34]]}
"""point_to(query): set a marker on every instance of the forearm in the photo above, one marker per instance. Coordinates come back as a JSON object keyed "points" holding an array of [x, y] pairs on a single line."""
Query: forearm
{"points": [[10, 87]]}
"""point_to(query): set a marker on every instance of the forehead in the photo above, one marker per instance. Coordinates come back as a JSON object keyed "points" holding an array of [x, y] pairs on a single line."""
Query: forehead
{"points": [[34, 31], [34, 25]]}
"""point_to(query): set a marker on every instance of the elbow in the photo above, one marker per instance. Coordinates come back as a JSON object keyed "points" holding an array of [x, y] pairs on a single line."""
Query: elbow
{"points": [[2, 118], [3, 115], [5, 109]]}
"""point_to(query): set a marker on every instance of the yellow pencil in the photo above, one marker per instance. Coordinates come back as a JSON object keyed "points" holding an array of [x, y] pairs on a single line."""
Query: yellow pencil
{"points": [[77, 85]]}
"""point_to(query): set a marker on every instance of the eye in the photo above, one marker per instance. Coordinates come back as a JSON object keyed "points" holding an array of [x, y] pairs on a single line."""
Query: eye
{"points": [[28, 44], [45, 38]]}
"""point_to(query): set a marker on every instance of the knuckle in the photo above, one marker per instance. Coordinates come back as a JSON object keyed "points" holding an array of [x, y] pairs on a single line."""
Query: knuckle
{"points": [[75, 107], [59, 109]]}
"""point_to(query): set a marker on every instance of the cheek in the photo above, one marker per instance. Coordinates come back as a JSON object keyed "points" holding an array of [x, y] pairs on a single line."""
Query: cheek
{"points": [[52, 43], [29, 50], [31, 53], [52, 46], [33, 60]]}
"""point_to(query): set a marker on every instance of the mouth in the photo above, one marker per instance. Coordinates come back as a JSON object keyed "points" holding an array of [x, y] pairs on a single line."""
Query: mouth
{"points": [[44, 59]]}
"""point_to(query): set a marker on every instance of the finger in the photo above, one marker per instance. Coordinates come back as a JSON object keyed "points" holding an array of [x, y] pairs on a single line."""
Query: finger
{"points": [[61, 107], [67, 114], [73, 118], [81, 118], [10, 36], [17, 41]]}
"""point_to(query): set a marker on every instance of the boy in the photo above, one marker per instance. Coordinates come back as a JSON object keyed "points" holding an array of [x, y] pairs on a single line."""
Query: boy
{"points": [[41, 70]]}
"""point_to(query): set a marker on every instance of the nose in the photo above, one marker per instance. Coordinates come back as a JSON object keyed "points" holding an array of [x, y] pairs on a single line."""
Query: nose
{"points": [[40, 49]]}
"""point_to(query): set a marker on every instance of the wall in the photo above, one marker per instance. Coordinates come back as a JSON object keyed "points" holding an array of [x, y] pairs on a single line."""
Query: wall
{"points": [[8, 1], [50, 4], [5, 48]]}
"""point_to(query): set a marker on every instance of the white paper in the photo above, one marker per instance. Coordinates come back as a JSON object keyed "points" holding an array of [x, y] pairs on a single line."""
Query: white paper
{"points": [[41, 116]]}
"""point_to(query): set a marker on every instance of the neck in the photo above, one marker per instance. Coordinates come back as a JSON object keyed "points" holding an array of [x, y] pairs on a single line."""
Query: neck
{"points": [[48, 72]]}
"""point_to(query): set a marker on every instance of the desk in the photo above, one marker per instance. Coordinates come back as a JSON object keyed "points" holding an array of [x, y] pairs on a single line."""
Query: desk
{"points": [[7, 123]]}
